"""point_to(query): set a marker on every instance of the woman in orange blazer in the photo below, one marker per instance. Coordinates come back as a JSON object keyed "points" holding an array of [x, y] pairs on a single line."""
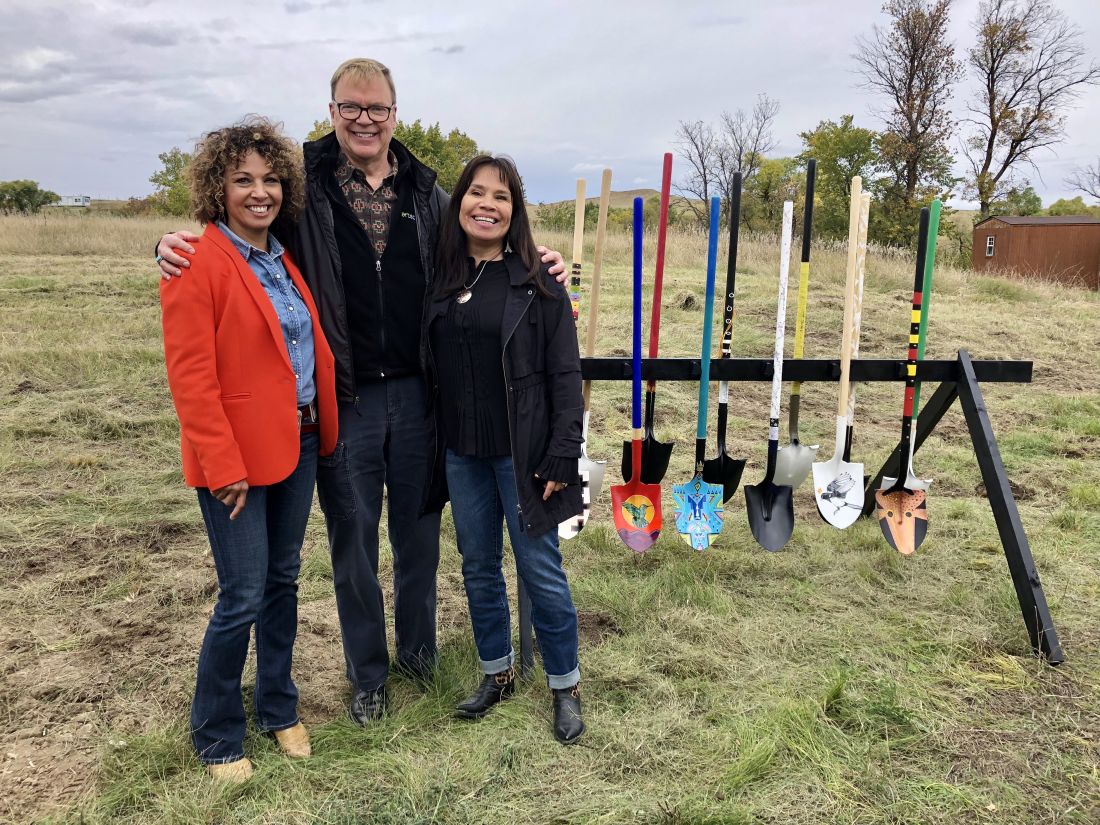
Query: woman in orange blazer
{"points": [[253, 383]]}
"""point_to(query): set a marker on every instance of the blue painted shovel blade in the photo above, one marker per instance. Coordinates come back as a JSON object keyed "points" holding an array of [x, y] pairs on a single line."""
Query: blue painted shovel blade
{"points": [[698, 512]]}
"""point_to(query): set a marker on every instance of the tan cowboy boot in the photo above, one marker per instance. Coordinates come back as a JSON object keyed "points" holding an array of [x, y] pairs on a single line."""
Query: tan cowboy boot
{"points": [[294, 741], [231, 773]]}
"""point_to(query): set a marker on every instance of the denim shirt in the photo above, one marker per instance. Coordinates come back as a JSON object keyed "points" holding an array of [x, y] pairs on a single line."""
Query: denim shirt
{"points": [[289, 306]]}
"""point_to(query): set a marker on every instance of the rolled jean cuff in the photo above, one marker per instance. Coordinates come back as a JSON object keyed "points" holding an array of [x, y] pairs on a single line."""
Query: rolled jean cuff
{"points": [[498, 665], [567, 681]]}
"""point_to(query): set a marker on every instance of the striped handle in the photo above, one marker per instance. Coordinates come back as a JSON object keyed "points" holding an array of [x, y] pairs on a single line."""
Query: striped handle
{"points": [[578, 251], [926, 289], [728, 312], [708, 320], [803, 292], [914, 339], [780, 320]]}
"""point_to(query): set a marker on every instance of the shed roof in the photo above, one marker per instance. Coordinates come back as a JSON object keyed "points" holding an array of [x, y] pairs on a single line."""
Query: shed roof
{"points": [[1040, 220]]}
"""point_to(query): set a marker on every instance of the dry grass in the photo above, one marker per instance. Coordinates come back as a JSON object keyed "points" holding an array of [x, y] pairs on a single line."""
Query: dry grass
{"points": [[833, 683]]}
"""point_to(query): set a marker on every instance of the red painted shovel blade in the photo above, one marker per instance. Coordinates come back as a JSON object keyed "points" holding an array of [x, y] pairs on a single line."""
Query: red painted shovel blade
{"points": [[637, 510]]}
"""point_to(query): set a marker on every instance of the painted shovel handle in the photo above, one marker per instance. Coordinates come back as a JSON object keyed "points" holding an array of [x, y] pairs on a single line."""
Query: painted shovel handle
{"points": [[636, 401], [597, 264], [708, 322]]}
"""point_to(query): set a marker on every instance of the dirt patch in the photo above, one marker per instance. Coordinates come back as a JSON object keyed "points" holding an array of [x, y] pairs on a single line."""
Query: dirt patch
{"points": [[594, 628], [1020, 492]]}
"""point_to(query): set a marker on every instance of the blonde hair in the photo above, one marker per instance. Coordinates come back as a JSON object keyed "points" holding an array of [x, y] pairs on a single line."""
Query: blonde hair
{"points": [[224, 149], [362, 68]]}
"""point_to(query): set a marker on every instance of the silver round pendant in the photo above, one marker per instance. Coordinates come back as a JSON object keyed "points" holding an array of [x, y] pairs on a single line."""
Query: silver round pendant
{"points": [[464, 296]]}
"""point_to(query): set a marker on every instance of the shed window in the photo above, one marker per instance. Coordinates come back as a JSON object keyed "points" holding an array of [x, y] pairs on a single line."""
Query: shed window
{"points": [[989, 241]]}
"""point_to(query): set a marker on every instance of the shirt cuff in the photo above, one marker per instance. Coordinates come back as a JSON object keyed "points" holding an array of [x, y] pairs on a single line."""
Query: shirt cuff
{"points": [[554, 468]]}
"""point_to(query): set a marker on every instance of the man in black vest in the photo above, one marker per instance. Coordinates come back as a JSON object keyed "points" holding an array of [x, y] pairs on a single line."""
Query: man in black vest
{"points": [[366, 246]]}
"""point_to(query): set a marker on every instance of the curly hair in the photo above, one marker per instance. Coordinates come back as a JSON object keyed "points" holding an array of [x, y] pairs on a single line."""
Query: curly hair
{"points": [[224, 149]]}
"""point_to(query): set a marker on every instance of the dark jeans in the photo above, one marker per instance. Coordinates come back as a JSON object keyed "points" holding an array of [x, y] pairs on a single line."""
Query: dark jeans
{"points": [[257, 557], [483, 497], [386, 441]]}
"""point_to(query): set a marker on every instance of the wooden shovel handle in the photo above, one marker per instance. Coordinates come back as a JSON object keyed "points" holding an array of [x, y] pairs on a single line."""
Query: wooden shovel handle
{"points": [[597, 264], [849, 294]]}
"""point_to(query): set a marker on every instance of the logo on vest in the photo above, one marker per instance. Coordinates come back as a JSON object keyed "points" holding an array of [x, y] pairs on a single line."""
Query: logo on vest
{"points": [[409, 215]]}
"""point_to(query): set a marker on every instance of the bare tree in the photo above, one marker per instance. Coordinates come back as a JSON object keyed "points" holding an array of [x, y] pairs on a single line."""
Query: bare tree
{"points": [[698, 146], [1031, 66], [746, 140], [1087, 179], [912, 63]]}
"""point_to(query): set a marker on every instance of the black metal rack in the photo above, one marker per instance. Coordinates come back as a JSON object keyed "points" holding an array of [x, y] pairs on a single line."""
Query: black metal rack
{"points": [[959, 378]]}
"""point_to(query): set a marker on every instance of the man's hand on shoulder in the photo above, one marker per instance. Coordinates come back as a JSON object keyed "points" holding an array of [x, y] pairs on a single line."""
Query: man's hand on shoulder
{"points": [[552, 257], [171, 262]]}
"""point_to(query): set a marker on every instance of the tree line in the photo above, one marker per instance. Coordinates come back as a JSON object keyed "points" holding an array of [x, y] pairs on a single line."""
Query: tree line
{"points": [[1027, 65]]}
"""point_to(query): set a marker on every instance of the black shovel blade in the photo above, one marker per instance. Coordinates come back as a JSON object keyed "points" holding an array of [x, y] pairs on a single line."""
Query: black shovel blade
{"points": [[655, 457], [725, 471], [771, 514]]}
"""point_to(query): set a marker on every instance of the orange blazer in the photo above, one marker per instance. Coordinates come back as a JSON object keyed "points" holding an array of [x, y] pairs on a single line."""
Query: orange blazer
{"points": [[230, 374]]}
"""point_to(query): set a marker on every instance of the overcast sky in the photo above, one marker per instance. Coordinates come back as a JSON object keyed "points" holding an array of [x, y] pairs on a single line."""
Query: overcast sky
{"points": [[91, 92]]}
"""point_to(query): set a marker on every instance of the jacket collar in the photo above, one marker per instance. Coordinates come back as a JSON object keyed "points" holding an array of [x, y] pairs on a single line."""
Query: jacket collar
{"points": [[321, 157], [517, 273]]}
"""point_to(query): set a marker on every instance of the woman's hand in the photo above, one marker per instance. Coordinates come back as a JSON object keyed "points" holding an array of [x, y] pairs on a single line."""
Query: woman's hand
{"points": [[552, 487], [232, 495], [172, 264]]}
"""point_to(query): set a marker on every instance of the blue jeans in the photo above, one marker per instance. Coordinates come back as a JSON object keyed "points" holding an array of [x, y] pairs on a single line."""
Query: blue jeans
{"points": [[483, 497], [257, 557], [387, 440]]}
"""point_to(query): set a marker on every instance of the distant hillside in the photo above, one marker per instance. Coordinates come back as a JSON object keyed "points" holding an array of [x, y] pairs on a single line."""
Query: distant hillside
{"points": [[619, 200]]}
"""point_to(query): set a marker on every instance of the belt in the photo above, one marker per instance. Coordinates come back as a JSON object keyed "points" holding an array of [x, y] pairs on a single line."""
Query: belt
{"points": [[307, 418]]}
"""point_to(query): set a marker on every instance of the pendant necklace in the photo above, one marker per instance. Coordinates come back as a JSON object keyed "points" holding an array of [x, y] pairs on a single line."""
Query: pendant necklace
{"points": [[468, 289]]}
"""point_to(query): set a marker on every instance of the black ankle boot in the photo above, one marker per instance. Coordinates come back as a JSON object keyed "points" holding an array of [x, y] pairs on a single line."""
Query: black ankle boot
{"points": [[568, 724], [494, 687]]}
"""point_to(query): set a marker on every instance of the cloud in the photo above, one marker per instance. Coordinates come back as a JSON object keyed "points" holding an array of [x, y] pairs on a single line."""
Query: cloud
{"points": [[640, 180], [142, 35], [455, 49], [303, 6], [587, 167]]}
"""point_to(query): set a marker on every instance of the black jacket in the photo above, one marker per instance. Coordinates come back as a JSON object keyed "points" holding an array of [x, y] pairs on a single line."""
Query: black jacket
{"points": [[316, 252], [542, 376]]}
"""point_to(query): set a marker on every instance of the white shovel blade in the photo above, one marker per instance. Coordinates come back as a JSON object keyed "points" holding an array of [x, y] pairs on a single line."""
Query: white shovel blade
{"points": [[595, 470], [911, 482], [838, 488], [571, 527], [792, 464]]}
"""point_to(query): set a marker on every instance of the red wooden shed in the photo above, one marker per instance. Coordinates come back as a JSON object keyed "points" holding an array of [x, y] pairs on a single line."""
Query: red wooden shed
{"points": [[1062, 248]]}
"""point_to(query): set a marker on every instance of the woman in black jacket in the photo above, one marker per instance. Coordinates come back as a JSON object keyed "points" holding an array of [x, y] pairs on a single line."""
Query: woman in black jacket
{"points": [[504, 350]]}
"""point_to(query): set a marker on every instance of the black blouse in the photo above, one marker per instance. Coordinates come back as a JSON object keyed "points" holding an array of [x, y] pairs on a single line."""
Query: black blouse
{"points": [[467, 350]]}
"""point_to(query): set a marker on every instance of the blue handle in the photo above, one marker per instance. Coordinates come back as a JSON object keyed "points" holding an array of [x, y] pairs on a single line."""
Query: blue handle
{"points": [[708, 319], [636, 414]]}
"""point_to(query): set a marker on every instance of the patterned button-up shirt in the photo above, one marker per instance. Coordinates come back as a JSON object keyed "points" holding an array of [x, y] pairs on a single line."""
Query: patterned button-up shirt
{"points": [[289, 306], [373, 207]]}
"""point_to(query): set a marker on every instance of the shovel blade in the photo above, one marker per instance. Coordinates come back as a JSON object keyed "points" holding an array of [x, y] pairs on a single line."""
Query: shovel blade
{"points": [[911, 482], [771, 514], [637, 511], [792, 464], [698, 512], [903, 518], [571, 527], [838, 490], [725, 471], [595, 470], [655, 458]]}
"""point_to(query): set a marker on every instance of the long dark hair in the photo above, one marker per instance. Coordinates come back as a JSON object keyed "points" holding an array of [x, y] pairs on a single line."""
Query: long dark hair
{"points": [[452, 268]]}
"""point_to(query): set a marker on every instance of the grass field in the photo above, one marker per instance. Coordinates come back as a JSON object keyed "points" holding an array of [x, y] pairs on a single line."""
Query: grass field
{"points": [[835, 682]]}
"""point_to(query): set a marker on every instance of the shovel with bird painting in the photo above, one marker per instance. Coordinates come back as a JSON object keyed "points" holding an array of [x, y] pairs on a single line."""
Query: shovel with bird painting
{"points": [[698, 502], [635, 505]]}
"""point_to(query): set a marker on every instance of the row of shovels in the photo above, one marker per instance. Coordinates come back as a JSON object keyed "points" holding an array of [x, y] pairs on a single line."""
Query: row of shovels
{"points": [[839, 482]]}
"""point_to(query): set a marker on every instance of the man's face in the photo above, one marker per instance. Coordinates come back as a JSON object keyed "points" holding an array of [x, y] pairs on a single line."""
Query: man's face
{"points": [[363, 141]]}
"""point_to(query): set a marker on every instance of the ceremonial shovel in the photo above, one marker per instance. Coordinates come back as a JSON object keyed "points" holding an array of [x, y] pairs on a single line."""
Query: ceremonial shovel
{"points": [[655, 455], [637, 506], [722, 469], [589, 470], [922, 338], [792, 463], [838, 484], [699, 503], [857, 319], [902, 510], [771, 506]]}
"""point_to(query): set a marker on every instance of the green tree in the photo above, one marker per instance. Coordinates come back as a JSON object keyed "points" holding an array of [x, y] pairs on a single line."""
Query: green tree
{"points": [[24, 196], [1017, 202], [446, 155], [776, 180], [1076, 206], [172, 195], [842, 150], [319, 130]]}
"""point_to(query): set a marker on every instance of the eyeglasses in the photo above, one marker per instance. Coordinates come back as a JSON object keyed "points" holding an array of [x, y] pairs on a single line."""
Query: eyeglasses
{"points": [[376, 111]]}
